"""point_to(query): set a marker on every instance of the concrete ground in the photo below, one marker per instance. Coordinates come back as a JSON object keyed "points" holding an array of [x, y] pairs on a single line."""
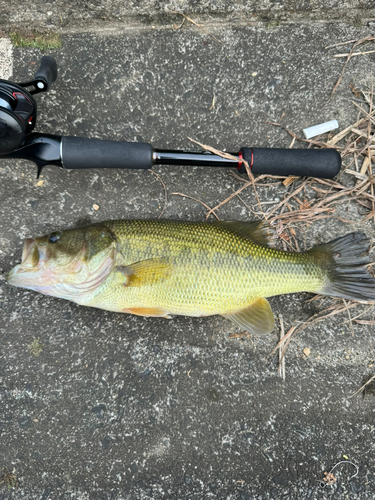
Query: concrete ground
{"points": [[122, 407]]}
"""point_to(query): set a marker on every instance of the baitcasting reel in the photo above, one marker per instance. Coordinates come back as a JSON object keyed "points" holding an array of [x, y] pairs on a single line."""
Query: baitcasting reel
{"points": [[18, 113], [18, 109]]}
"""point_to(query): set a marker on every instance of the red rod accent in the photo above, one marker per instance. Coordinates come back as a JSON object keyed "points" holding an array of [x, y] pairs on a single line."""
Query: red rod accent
{"points": [[241, 157], [240, 162]]}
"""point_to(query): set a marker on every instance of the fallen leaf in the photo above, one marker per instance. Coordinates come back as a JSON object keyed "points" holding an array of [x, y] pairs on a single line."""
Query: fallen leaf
{"points": [[289, 180], [329, 478], [284, 236], [306, 351]]}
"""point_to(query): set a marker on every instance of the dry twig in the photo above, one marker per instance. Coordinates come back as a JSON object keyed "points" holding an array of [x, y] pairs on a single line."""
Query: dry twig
{"points": [[238, 160], [281, 353], [192, 22], [364, 386], [330, 479], [350, 319], [199, 201], [165, 192], [358, 42]]}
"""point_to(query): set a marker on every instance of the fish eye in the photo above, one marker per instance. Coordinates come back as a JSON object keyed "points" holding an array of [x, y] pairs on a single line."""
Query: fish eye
{"points": [[53, 237]]}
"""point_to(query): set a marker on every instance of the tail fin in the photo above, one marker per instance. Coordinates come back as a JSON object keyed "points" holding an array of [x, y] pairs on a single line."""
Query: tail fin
{"points": [[344, 263]]}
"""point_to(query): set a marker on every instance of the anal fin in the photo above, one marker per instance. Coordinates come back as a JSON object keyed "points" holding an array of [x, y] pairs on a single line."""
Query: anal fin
{"points": [[258, 318], [151, 312]]}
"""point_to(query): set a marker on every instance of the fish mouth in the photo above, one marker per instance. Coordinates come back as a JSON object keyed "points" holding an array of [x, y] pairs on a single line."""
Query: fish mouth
{"points": [[29, 253], [40, 271], [33, 262]]}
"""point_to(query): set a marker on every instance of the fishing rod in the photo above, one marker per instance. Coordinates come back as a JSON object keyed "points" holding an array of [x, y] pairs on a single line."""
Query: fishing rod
{"points": [[18, 115]]}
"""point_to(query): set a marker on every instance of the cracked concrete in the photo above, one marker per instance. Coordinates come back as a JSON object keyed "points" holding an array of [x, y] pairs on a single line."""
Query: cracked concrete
{"points": [[62, 15]]}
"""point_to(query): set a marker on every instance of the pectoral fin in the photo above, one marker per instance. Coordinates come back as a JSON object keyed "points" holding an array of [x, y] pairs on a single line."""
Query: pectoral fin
{"points": [[145, 272], [257, 318], [154, 312]]}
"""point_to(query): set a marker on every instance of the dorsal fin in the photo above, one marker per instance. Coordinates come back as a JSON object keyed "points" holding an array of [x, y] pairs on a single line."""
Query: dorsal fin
{"points": [[259, 232]]}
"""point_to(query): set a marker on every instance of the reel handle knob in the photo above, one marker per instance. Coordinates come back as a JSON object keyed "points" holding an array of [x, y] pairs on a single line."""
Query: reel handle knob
{"points": [[47, 73]]}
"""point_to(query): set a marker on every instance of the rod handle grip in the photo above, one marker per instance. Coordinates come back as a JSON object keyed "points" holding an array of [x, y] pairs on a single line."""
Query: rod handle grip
{"points": [[81, 152], [321, 163]]}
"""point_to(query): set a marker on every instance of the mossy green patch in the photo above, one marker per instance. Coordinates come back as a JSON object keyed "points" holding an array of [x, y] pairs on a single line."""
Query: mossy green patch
{"points": [[272, 23], [35, 348], [42, 41], [8, 479]]}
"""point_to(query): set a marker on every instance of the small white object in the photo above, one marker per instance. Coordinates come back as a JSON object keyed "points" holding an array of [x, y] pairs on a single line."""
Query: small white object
{"points": [[322, 128], [40, 85]]}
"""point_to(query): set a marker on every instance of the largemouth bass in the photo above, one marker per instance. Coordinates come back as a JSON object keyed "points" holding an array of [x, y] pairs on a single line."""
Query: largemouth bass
{"points": [[161, 268]]}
